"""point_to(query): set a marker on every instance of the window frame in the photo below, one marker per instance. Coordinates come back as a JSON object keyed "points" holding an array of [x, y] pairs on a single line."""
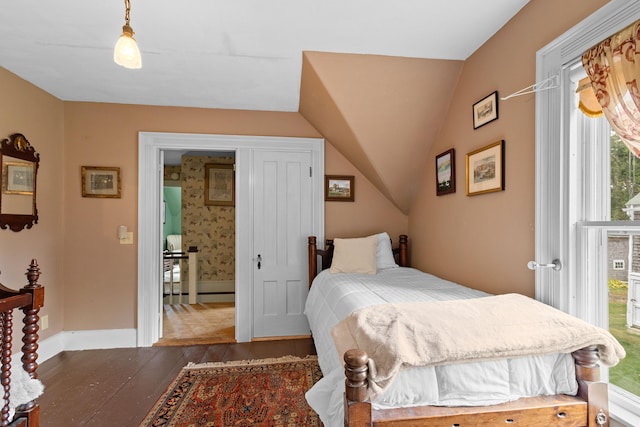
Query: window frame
{"points": [[618, 264], [560, 201]]}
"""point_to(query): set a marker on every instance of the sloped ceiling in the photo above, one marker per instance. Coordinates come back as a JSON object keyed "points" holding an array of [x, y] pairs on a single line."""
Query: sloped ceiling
{"points": [[381, 112], [226, 53]]}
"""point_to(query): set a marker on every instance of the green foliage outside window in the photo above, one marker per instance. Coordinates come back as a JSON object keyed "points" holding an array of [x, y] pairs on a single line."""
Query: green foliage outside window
{"points": [[625, 178]]}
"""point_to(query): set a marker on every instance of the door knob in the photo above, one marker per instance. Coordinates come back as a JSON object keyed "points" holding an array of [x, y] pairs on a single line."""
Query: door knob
{"points": [[555, 264]]}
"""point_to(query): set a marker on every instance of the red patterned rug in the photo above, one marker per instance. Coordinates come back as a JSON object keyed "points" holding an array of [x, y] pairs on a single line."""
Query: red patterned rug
{"points": [[268, 392]]}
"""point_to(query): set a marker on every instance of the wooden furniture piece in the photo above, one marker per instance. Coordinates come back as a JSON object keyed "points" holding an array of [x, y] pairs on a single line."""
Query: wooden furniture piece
{"points": [[588, 408], [19, 164], [326, 255], [29, 300]]}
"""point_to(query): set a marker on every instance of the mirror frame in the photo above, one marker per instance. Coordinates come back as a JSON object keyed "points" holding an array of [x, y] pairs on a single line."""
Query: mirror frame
{"points": [[18, 146]]}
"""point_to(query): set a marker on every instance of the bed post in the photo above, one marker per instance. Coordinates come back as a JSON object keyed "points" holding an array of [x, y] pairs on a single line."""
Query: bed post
{"points": [[313, 259], [357, 411], [590, 388], [403, 251], [30, 329]]}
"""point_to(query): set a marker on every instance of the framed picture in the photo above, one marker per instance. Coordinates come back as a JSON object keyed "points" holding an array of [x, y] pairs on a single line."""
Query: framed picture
{"points": [[485, 169], [339, 188], [17, 177], [219, 184], [485, 110], [98, 181], [446, 172]]}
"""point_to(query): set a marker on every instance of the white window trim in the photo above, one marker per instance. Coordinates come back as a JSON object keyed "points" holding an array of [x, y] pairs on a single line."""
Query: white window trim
{"points": [[556, 237]]}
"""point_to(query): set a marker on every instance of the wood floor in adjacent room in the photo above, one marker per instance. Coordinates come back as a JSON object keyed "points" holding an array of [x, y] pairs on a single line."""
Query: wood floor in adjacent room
{"points": [[204, 323], [117, 387]]}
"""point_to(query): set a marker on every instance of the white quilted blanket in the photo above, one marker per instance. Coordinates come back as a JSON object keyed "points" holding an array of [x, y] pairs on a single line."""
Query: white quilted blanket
{"points": [[489, 328]]}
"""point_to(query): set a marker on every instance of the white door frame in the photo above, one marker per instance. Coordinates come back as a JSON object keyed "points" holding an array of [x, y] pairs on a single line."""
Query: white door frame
{"points": [[150, 146]]}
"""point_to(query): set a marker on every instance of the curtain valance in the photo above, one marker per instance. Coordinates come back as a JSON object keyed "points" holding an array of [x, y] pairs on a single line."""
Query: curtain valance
{"points": [[613, 66]]}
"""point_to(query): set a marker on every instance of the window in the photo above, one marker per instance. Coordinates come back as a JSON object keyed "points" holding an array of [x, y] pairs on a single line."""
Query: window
{"points": [[578, 204]]}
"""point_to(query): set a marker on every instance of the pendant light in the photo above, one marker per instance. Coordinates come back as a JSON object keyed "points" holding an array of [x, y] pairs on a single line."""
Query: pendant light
{"points": [[126, 52]]}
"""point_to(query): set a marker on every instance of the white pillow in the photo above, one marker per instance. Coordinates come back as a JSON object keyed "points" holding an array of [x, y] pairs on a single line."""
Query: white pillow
{"points": [[384, 253], [354, 255]]}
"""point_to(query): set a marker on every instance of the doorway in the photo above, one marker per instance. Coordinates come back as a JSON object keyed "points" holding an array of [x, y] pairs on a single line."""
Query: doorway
{"points": [[198, 308], [150, 160]]}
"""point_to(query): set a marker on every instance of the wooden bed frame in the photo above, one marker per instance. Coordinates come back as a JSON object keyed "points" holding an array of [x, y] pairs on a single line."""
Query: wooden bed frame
{"points": [[29, 300], [590, 408]]}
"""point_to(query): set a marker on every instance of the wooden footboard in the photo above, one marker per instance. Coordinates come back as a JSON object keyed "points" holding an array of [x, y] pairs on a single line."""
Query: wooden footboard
{"points": [[588, 408], [29, 300]]}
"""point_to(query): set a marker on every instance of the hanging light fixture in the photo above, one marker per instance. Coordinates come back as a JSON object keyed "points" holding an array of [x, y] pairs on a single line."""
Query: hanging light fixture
{"points": [[126, 52]]}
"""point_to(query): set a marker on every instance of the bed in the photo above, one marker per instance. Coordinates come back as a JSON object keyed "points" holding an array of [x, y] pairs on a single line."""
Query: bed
{"points": [[20, 383], [559, 388]]}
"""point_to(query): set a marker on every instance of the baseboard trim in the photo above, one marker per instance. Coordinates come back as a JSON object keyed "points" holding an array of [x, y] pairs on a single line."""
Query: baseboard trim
{"points": [[81, 340]]}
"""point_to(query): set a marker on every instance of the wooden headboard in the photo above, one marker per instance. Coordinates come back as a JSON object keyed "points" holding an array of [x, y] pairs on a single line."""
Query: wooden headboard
{"points": [[401, 252]]}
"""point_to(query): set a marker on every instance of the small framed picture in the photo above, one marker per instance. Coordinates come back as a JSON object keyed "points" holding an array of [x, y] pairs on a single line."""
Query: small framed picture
{"points": [[219, 184], [99, 181], [485, 169], [485, 110], [339, 188], [17, 178], [446, 172]]}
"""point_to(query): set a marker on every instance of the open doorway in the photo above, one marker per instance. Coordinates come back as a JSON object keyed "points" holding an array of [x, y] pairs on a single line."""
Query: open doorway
{"points": [[152, 146], [198, 248]]}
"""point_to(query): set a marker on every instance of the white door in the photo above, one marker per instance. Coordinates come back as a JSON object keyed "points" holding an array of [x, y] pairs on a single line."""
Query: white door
{"points": [[282, 220]]}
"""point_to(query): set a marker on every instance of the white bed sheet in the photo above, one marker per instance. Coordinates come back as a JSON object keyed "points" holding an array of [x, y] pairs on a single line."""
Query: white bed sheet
{"points": [[333, 296]]}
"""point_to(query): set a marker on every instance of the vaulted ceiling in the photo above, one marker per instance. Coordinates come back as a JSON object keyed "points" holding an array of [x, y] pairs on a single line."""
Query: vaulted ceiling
{"points": [[378, 96]]}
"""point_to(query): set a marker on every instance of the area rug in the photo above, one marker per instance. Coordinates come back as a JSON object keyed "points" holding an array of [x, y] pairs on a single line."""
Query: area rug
{"points": [[267, 392]]}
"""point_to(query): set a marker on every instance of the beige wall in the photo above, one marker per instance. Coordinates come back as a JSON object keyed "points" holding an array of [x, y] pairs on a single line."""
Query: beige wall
{"points": [[485, 241], [39, 116], [370, 213], [102, 293]]}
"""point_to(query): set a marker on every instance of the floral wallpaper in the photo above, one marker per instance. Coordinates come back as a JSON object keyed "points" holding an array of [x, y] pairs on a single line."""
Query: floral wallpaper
{"points": [[210, 228]]}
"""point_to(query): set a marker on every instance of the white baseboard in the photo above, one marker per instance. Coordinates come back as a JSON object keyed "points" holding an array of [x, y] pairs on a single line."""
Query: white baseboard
{"points": [[207, 289], [80, 340]]}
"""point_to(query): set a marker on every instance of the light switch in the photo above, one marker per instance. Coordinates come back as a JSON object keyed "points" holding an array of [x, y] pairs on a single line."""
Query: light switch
{"points": [[128, 240]]}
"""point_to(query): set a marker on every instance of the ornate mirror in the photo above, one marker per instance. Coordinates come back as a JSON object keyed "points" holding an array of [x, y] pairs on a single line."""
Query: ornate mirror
{"points": [[19, 163]]}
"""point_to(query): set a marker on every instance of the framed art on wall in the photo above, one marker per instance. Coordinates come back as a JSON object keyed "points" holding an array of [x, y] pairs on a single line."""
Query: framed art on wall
{"points": [[485, 110], [446, 172], [339, 188], [219, 184], [99, 181], [17, 178], [485, 169]]}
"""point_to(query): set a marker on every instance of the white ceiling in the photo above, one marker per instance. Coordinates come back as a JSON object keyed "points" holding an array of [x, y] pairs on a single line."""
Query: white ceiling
{"points": [[237, 54]]}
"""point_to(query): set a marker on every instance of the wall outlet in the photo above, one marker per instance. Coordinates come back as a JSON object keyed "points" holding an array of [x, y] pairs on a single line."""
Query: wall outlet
{"points": [[44, 322]]}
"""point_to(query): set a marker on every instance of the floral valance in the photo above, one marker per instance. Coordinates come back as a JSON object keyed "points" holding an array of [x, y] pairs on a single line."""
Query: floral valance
{"points": [[613, 67]]}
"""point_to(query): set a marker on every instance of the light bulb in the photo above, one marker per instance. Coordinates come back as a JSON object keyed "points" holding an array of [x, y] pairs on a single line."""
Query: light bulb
{"points": [[126, 52]]}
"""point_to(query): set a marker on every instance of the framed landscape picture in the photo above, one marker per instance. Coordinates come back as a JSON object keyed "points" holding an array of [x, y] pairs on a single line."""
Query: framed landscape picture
{"points": [[17, 178], [99, 181], [485, 110], [219, 184], [446, 172], [485, 169], [339, 188]]}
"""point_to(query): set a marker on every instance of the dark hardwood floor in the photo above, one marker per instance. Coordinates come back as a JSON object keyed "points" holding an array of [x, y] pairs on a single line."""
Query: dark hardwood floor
{"points": [[117, 387]]}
